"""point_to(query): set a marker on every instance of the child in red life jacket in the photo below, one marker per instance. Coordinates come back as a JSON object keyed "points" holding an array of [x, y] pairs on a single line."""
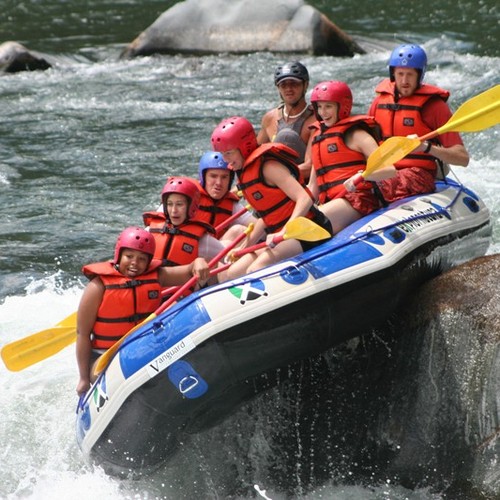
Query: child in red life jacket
{"points": [[180, 235], [121, 294], [217, 203]]}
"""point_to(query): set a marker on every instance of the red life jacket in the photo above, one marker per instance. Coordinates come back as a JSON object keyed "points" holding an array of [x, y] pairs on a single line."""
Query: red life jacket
{"points": [[175, 245], [270, 202], [404, 117], [215, 212], [125, 303], [334, 162]]}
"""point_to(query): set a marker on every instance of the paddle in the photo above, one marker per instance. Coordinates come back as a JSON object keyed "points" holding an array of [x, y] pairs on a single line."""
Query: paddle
{"points": [[30, 350], [103, 361], [300, 228], [231, 219], [167, 291], [478, 113]]}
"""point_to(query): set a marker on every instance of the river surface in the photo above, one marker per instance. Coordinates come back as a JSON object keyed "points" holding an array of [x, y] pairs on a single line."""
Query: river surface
{"points": [[86, 148]]}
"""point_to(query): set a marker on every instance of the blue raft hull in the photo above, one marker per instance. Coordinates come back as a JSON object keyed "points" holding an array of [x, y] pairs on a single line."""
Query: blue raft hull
{"points": [[203, 358]]}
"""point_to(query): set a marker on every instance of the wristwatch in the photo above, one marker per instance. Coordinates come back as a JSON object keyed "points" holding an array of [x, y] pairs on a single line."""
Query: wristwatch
{"points": [[428, 146]]}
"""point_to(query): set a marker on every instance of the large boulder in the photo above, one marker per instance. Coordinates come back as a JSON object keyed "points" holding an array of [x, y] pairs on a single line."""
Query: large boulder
{"points": [[243, 26], [439, 424], [15, 57]]}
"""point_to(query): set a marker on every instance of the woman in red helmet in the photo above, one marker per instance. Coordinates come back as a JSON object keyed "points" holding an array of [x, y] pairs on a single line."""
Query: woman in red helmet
{"points": [[180, 234], [340, 145], [122, 293], [272, 184]]}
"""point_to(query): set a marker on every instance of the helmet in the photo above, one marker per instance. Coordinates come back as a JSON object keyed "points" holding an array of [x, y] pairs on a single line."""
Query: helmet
{"points": [[334, 91], [294, 70], [234, 133], [408, 56], [185, 186], [135, 238], [212, 159]]}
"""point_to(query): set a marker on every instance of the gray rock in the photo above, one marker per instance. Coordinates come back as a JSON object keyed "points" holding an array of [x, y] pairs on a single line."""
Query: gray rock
{"points": [[441, 425], [15, 57], [243, 26]]}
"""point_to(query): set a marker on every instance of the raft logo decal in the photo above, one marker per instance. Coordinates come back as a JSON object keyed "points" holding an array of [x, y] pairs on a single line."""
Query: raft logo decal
{"points": [[100, 395], [249, 291], [172, 354]]}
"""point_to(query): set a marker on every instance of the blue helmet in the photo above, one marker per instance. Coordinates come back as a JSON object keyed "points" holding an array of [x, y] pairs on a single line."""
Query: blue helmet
{"points": [[408, 56], [213, 159]]}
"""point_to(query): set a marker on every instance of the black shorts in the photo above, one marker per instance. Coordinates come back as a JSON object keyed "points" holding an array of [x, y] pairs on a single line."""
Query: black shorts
{"points": [[322, 220]]}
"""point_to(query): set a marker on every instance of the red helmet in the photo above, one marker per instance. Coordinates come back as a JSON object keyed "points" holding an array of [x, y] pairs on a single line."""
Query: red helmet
{"points": [[234, 133], [334, 91], [135, 238], [185, 186]]}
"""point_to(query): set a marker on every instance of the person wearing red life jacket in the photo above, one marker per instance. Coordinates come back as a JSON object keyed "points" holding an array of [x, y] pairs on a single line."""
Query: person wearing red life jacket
{"points": [[179, 234], [340, 145], [217, 203], [121, 293], [273, 185], [289, 122], [405, 106]]}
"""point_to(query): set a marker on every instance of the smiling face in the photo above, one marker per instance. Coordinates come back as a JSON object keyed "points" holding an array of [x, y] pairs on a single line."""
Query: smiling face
{"points": [[234, 159], [133, 262], [217, 182], [406, 80], [329, 112], [177, 208]]}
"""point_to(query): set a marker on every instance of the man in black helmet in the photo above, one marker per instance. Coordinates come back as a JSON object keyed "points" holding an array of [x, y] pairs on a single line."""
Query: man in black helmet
{"points": [[289, 122]]}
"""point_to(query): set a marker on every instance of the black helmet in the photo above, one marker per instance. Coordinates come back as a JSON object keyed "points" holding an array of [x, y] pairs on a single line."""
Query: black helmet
{"points": [[294, 70]]}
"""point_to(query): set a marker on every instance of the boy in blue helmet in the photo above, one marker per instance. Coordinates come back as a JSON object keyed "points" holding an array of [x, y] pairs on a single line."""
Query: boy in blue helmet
{"points": [[217, 203], [404, 106]]}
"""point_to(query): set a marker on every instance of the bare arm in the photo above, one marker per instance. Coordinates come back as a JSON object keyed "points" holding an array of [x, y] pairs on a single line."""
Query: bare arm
{"points": [[178, 275], [266, 127], [363, 142], [454, 155], [277, 174], [86, 317]]}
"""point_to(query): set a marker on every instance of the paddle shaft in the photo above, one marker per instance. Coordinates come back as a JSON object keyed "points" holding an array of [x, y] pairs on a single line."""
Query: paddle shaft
{"points": [[213, 272], [231, 219]]}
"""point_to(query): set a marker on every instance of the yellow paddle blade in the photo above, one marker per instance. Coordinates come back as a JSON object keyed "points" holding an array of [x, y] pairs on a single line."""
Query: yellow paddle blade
{"points": [[37, 347], [389, 152], [478, 113], [69, 321], [302, 228]]}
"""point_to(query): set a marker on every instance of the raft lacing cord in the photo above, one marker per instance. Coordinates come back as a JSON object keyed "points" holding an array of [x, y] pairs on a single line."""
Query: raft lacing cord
{"points": [[191, 298]]}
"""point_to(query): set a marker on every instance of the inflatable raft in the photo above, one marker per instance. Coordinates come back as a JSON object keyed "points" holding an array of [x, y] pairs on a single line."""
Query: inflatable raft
{"points": [[201, 359]]}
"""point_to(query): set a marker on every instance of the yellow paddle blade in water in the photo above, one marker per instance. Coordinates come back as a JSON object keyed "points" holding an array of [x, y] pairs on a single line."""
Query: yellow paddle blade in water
{"points": [[302, 228], [41, 345]]}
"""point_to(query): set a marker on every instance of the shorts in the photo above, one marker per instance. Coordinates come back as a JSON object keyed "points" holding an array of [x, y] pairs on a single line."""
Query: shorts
{"points": [[364, 201], [408, 182], [322, 220]]}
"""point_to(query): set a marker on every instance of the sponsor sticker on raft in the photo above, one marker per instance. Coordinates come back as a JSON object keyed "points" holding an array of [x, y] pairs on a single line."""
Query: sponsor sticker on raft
{"points": [[172, 354]]}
